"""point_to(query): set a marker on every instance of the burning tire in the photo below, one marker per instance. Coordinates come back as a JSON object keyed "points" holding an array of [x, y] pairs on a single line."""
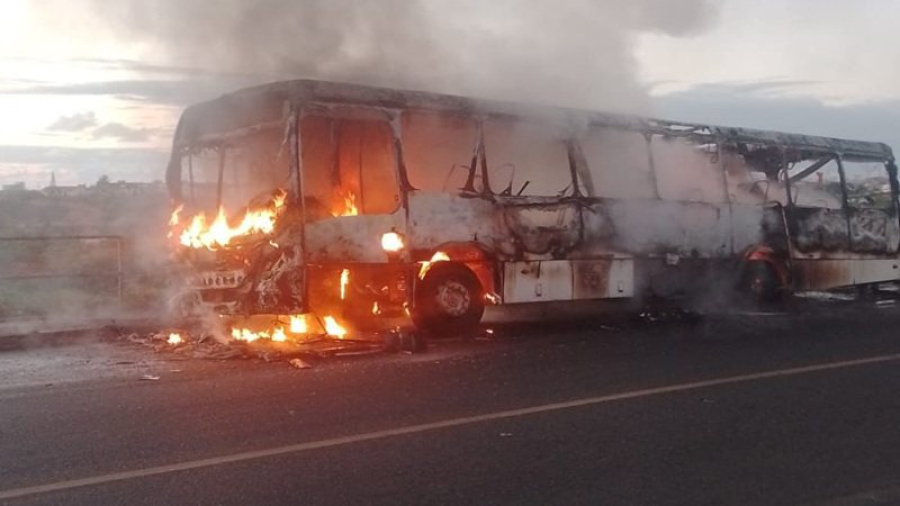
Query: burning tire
{"points": [[449, 301], [761, 282]]}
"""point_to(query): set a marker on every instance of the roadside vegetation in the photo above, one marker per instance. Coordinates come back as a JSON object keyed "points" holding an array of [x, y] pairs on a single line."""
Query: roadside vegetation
{"points": [[138, 217]]}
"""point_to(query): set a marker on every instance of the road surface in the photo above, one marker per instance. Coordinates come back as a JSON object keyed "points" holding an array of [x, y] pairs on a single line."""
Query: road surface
{"points": [[749, 409]]}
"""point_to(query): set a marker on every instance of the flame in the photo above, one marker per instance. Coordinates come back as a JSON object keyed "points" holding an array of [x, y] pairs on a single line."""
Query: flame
{"points": [[440, 256], [174, 220], [348, 205], [278, 334], [248, 336], [392, 242], [174, 339], [298, 325], [375, 309], [219, 234], [279, 199], [345, 279], [176, 216], [333, 328]]}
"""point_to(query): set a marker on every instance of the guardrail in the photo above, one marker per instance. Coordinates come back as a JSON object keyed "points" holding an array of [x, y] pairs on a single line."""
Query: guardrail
{"points": [[118, 274]]}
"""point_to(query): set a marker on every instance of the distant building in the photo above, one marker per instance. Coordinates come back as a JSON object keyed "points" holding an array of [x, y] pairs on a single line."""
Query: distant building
{"points": [[103, 187], [129, 188], [14, 187], [66, 191]]}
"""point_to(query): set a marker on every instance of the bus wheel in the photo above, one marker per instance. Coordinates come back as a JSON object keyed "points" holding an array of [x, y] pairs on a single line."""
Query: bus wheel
{"points": [[449, 301], [761, 282]]}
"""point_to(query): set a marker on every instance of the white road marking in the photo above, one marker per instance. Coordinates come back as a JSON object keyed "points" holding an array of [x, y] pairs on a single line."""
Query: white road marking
{"points": [[426, 427]]}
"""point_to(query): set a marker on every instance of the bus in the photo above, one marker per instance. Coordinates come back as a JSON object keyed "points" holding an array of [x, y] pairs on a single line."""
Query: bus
{"points": [[311, 197]]}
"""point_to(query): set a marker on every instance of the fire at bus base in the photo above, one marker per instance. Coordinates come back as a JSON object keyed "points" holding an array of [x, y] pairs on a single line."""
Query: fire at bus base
{"points": [[336, 207]]}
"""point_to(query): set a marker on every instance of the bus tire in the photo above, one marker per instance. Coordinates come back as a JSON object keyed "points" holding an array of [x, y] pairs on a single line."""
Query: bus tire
{"points": [[449, 301], [761, 282]]}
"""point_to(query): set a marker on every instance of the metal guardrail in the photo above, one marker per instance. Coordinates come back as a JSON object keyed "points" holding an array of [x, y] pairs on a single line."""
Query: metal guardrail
{"points": [[118, 274]]}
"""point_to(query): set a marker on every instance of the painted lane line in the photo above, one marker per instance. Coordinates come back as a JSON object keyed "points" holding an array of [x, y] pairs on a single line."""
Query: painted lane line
{"points": [[426, 427]]}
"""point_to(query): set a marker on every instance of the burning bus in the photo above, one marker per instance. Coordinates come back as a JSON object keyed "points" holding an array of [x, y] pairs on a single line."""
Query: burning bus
{"points": [[356, 203]]}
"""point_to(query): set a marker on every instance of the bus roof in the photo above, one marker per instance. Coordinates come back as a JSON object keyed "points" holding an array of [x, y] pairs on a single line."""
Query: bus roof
{"points": [[264, 105]]}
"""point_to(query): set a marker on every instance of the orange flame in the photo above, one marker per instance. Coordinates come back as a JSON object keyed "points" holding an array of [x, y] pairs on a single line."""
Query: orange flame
{"points": [[284, 332], [279, 199], [248, 336], [174, 220], [392, 242], [375, 309], [279, 336], [440, 256], [333, 328], [174, 339], [298, 325], [348, 205], [345, 280], [219, 234], [176, 216]]}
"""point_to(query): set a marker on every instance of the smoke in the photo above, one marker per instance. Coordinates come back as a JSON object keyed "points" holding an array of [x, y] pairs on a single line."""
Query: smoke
{"points": [[575, 53]]}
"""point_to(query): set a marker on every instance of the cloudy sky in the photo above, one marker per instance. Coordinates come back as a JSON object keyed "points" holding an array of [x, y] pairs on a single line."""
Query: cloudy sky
{"points": [[94, 87]]}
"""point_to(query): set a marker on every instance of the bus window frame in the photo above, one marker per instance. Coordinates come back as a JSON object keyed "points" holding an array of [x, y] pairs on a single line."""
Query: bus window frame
{"points": [[885, 164], [715, 162], [391, 117], [651, 167], [571, 191], [477, 142], [789, 180]]}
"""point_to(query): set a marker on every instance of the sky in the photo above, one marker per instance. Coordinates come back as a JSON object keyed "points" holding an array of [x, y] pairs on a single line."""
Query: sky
{"points": [[90, 88]]}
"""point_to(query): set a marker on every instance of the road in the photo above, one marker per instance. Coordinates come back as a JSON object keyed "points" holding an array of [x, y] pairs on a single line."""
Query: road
{"points": [[750, 409]]}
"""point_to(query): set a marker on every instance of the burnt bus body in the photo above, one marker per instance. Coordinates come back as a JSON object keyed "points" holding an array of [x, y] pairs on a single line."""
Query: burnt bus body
{"points": [[519, 204]]}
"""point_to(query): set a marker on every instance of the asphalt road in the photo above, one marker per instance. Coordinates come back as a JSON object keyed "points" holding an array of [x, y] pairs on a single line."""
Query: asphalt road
{"points": [[757, 409]]}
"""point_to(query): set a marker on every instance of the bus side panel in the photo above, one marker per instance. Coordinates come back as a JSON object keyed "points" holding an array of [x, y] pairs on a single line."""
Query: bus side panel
{"points": [[605, 278], [439, 218], [814, 274], [689, 229], [558, 280], [350, 239]]}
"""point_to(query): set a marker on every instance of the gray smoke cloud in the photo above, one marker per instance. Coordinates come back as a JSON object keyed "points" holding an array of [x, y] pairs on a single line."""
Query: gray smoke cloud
{"points": [[576, 53], [573, 53]]}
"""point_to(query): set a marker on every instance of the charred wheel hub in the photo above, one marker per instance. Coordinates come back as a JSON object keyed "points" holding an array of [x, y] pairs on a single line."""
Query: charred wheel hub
{"points": [[453, 298]]}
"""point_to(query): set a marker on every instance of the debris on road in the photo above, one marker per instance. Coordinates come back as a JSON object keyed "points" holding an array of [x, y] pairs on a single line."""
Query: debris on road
{"points": [[205, 345], [486, 335], [297, 363]]}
